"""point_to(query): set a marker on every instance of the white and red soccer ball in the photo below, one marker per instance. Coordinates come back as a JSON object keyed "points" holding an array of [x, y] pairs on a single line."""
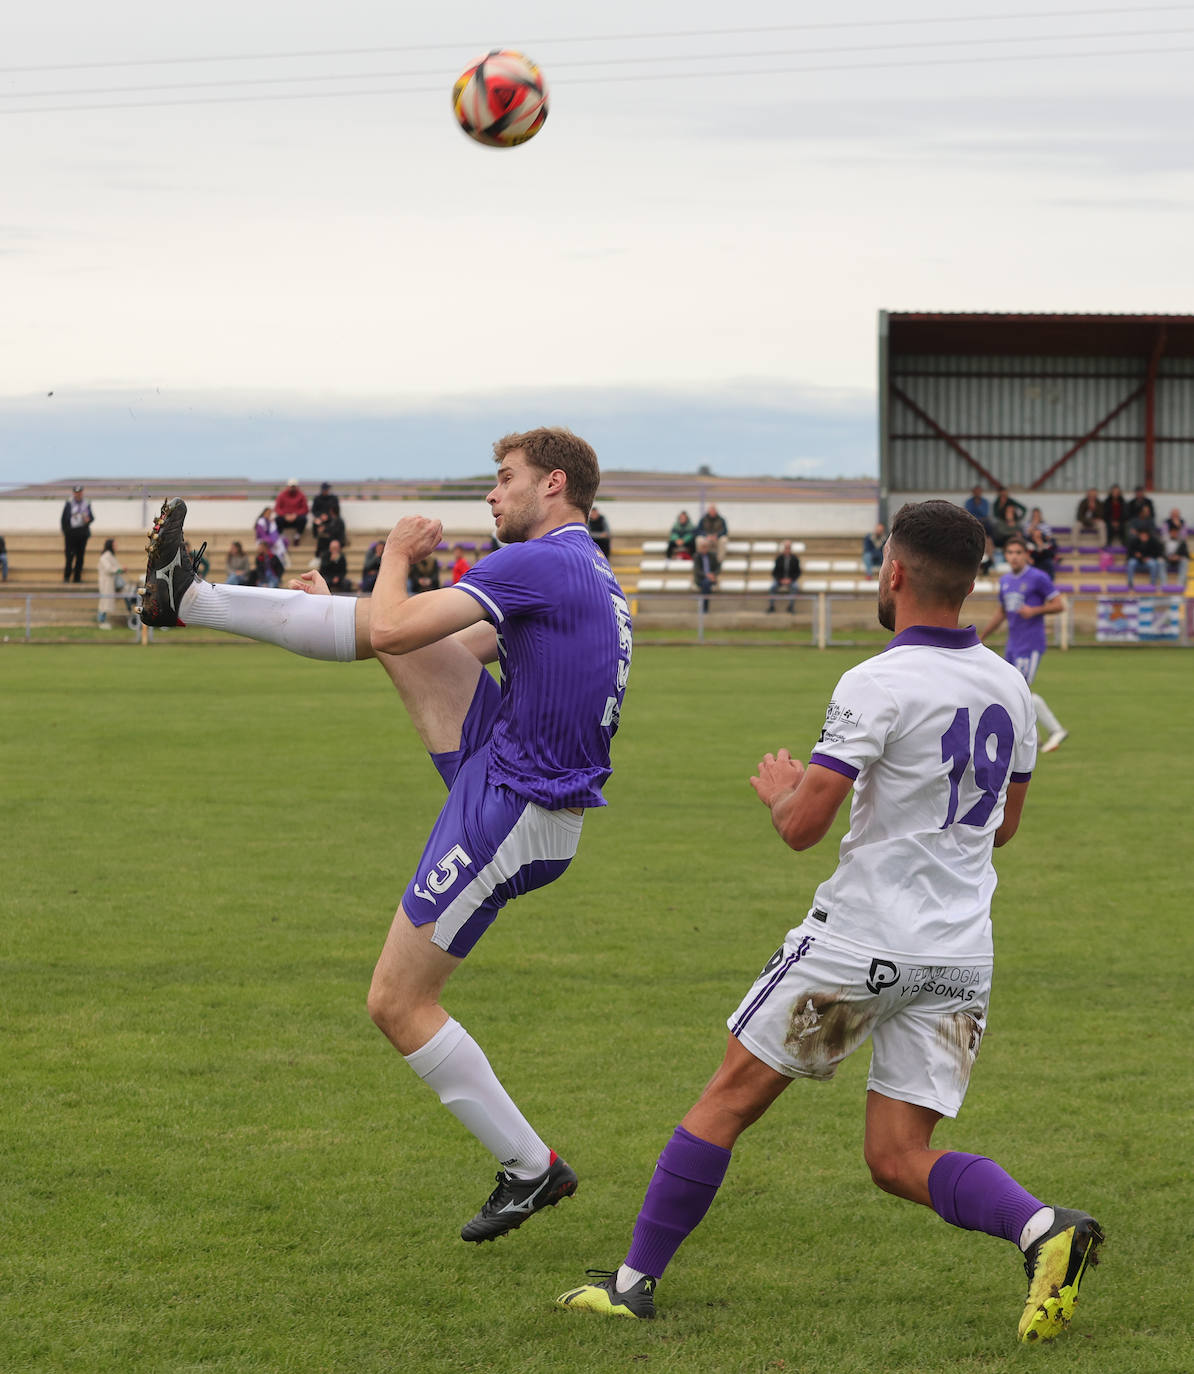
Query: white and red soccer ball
{"points": [[501, 99]]}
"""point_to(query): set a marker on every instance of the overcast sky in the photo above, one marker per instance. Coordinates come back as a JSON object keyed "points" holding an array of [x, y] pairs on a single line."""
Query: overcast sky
{"points": [[686, 263]]}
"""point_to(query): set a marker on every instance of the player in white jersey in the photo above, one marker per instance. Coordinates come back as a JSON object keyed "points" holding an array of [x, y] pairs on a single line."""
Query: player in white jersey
{"points": [[935, 738], [522, 761]]}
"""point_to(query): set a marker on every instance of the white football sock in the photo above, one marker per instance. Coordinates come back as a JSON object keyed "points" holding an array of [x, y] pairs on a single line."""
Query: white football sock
{"points": [[627, 1277], [1036, 1226], [454, 1066], [1044, 715], [313, 626]]}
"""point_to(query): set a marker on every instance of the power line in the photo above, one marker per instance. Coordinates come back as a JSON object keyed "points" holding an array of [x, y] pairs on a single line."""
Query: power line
{"points": [[670, 35]]}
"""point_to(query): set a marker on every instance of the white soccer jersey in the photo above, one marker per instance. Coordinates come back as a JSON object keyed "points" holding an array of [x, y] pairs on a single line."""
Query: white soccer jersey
{"points": [[932, 730]]}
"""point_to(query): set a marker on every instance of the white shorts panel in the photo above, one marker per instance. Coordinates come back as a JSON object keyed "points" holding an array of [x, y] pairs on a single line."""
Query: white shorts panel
{"points": [[815, 1003]]}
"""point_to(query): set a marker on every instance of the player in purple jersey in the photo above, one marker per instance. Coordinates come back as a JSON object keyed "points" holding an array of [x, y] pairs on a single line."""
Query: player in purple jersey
{"points": [[1026, 596], [936, 740], [522, 760]]}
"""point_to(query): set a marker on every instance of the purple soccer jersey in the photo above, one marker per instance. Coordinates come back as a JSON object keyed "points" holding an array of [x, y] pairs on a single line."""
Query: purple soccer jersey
{"points": [[564, 645], [1031, 587]]}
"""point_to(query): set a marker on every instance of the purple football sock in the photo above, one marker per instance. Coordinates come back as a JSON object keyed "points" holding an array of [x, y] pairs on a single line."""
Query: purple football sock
{"points": [[974, 1193], [684, 1184]]}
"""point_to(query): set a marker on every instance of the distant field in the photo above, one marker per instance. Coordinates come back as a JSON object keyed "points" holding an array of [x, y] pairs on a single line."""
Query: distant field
{"points": [[210, 1160]]}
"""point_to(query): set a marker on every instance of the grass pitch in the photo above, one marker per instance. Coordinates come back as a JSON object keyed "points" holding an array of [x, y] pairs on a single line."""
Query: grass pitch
{"points": [[210, 1160]]}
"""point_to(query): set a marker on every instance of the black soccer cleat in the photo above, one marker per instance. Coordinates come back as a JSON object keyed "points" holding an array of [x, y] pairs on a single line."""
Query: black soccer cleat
{"points": [[1055, 1265], [170, 569], [609, 1300], [516, 1199]]}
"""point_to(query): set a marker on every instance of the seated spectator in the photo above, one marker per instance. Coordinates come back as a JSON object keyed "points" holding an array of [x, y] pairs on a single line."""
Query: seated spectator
{"points": [[978, 506], [333, 568], [784, 576], [265, 531], [3, 560], [1088, 518], [1140, 499], [681, 540], [712, 523], [268, 569], [1177, 552], [1115, 515], [1142, 519], [706, 567], [290, 510], [599, 529], [1146, 553], [460, 564], [1042, 547], [326, 503], [236, 565], [1006, 515], [328, 526], [423, 576], [872, 547], [372, 565]]}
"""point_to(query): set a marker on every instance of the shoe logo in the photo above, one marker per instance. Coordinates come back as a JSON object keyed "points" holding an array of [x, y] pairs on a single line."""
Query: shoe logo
{"points": [[163, 574], [528, 1204]]}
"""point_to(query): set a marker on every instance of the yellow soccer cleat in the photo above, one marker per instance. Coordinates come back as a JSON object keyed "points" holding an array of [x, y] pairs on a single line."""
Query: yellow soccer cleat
{"points": [[1055, 1265], [606, 1298]]}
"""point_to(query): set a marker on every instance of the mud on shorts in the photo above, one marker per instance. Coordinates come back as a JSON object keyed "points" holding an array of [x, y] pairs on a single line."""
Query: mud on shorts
{"points": [[487, 845], [816, 1002]]}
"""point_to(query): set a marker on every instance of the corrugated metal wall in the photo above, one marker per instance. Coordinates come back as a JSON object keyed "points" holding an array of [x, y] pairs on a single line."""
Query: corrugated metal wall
{"points": [[1018, 415]]}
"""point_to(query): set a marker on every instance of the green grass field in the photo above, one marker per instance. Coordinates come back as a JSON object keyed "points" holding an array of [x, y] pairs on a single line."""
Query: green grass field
{"points": [[211, 1161]]}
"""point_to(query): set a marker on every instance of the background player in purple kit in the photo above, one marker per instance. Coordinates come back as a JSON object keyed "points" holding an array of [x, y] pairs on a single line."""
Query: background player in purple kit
{"points": [[1026, 596], [522, 761]]}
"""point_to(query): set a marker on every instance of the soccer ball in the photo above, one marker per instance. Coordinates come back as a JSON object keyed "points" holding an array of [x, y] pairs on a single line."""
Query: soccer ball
{"points": [[501, 100]]}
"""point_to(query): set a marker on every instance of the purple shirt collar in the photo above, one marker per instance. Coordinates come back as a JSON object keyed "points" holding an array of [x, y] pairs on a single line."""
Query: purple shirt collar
{"points": [[935, 637]]}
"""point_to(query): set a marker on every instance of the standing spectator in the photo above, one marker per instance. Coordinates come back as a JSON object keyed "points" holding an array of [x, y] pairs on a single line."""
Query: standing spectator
{"points": [[1115, 515], [291, 510], [111, 585], [1042, 547], [372, 566], [326, 503], [460, 564], [424, 576], [1177, 552], [333, 568], [3, 560], [705, 567], [1140, 499], [77, 519], [712, 523], [599, 529], [872, 549], [784, 575], [1006, 515], [236, 565], [1088, 518], [681, 540], [1146, 553], [329, 525]]}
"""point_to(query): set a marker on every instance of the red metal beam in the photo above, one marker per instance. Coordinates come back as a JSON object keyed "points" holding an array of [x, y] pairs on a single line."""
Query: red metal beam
{"points": [[943, 434], [1150, 410], [1086, 438]]}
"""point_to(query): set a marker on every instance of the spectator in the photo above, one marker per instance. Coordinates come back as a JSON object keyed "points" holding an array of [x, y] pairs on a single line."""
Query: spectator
{"points": [[236, 565], [1146, 553], [1115, 515], [460, 564], [872, 548], [1006, 515], [327, 526], [372, 564], [333, 568], [705, 567], [3, 560], [265, 529], [978, 506], [714, 524], [1142, 518], [291, 510], [784, 576], [599, 529], [681, 540], [1140, 499], [1177, 552], [424, 576], [1088, 518], [326, 503], [1042, 547], [267, 567], [112, 584], [77, 519]]}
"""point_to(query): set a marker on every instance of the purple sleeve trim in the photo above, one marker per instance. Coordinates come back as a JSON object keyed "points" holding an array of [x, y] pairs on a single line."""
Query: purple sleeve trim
{"points": [[847, 770], [1021, 777]]}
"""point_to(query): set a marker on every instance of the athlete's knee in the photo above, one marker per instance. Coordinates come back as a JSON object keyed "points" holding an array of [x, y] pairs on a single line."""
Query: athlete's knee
{"points": [[894, 1170]]}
